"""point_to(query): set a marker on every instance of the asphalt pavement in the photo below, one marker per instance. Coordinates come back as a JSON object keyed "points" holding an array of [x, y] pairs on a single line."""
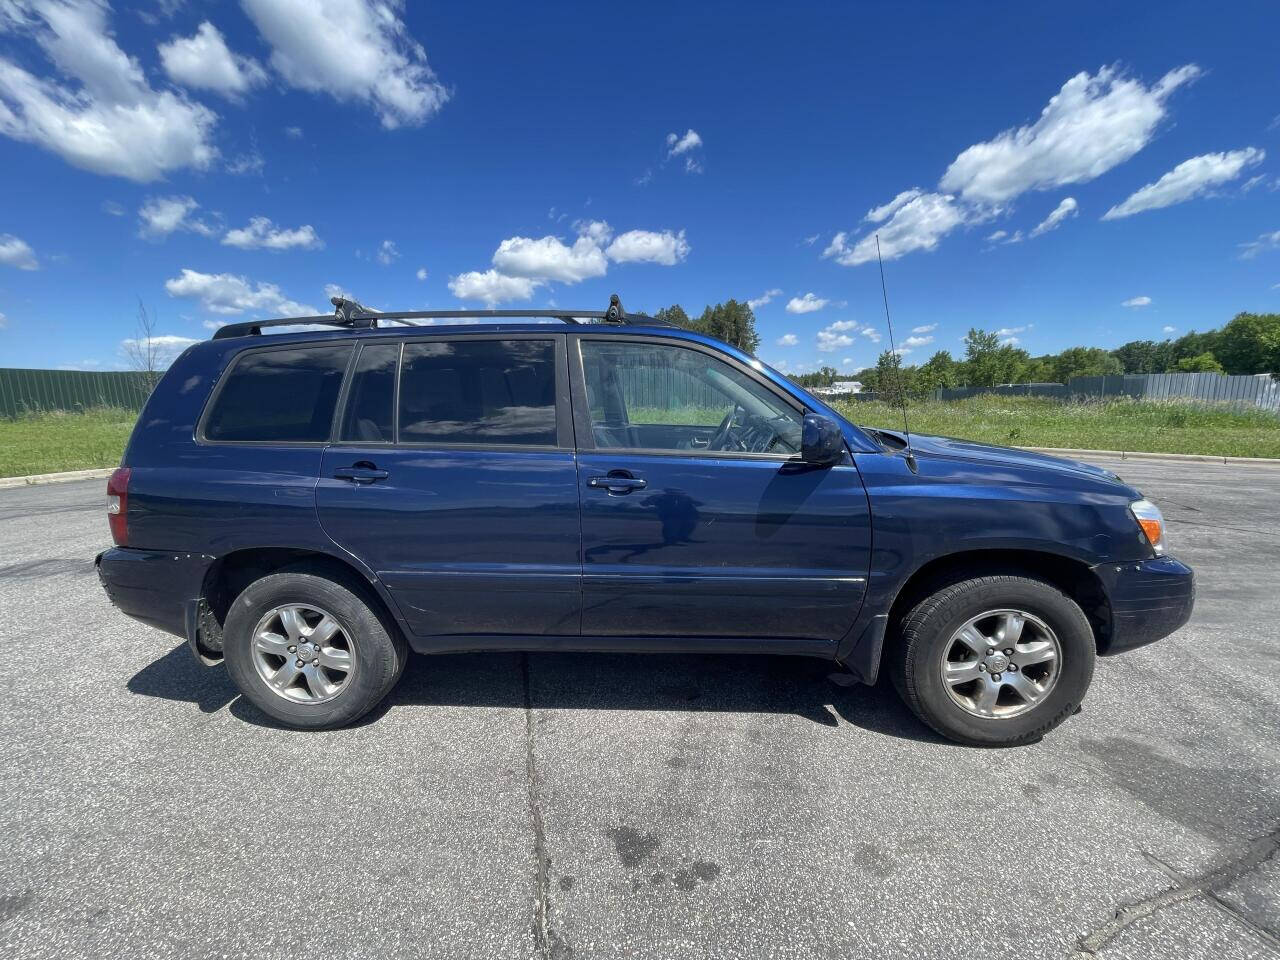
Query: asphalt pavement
{"points": [[592, 806]]}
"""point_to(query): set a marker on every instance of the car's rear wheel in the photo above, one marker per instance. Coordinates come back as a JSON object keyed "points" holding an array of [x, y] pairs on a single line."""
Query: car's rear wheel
{"points": [[310, 651], [994, 661]]}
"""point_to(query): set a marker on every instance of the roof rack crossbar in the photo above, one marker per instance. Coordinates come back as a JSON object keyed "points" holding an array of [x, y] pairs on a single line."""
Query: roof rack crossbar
{"points": [[355, 316]]}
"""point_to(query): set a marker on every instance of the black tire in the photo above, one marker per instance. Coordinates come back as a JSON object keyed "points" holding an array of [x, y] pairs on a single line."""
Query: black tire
{"points": [[379, 652], [915, 660]]}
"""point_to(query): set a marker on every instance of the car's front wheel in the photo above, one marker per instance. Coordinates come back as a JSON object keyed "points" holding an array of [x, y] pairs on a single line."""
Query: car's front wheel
{"points": [[995, 660], [310, 651]]}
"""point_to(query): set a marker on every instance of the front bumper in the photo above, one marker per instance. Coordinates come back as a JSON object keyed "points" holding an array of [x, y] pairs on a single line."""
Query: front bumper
{"points": [[1149, 600]]}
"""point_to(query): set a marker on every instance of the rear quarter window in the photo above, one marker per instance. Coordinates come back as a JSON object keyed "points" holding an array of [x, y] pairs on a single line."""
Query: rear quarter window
{"points": [[491, 392], [279, 396]]}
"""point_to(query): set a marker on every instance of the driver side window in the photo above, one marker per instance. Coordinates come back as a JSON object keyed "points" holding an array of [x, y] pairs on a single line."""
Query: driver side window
{"points": [[651, 396]]}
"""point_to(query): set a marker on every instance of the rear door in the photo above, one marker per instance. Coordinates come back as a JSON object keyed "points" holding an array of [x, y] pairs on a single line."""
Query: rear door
{"points": [[453, 477], [698, 520]]}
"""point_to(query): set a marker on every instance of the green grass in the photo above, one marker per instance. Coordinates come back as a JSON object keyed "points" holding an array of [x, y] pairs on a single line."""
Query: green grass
{"points": [[1166, 426], [51, 442]]}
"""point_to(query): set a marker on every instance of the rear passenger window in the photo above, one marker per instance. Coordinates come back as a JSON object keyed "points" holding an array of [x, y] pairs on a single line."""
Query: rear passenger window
{"points": [[372, 395], [281, 396], [489, 392]]}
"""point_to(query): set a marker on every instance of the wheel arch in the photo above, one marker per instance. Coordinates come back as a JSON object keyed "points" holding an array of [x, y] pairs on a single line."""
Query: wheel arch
{"points": [[1073, 577], [227, 577]]}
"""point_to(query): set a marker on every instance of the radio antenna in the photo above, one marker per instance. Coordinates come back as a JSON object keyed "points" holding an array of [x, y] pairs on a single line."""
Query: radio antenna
{"points": [[897, 360]]}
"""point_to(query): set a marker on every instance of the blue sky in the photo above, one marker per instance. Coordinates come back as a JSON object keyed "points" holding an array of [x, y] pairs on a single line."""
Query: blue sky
{"points": [[1086, 174]]}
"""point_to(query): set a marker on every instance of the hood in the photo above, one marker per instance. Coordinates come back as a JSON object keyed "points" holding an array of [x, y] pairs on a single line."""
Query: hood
{"points": [[989, 454]]}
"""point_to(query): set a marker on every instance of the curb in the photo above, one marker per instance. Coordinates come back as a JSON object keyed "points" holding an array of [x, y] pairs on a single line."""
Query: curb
{"points": [[1168, 457], [7, 483]]}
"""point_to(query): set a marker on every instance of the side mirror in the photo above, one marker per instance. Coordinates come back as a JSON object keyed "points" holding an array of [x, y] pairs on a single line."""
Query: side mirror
{"points": [[821, 442]]}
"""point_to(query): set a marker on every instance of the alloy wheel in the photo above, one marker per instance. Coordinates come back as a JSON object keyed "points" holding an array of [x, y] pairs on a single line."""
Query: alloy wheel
{"points": [[1001, 664], [303, 653]]}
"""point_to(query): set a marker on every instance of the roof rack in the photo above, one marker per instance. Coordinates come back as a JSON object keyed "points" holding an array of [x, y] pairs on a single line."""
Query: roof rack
{"points": [[354, 315]]}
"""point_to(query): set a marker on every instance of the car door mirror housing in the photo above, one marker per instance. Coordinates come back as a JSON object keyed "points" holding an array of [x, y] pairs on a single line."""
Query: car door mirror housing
{"points": [[822, 442]]}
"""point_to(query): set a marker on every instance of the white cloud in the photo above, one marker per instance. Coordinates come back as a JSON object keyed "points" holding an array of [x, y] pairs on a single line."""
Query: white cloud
{"points": [[810, 241], [550, 258], [1010, 331], [1091, 125], [214, 324], [915, 223], [648, 246], [332, 290], [884, 212], [4, 321], [788, 340], [16, 252], [388, 253], [1189, 179], [927, 328], [353, 50], [677, 144], [1005, 238], [1137, 302], [160, 350], [829, 342], [204, 61], [522, 264], [113, 208], [692, 166], [838, 335], [422, 273], [293, 133], [111, 121], [249, 162], [1067, 208], [1168, 329], [262, 233], [764, 298], [161, 216], [492, 287], [912, 342], [1010, 342], [1265, 241], [809, 303], [166, 340], [226, 293]]}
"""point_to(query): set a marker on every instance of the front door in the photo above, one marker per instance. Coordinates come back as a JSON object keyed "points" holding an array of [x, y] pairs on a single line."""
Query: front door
{"points": [[459, 487], [698, 519]]}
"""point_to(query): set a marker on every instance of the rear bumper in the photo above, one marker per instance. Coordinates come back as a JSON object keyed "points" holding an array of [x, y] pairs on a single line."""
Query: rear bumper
{"points": [[1149, 600], [156, 587]]}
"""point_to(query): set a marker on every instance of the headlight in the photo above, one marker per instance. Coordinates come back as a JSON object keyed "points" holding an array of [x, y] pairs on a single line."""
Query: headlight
{"points": [[1151, 521]]}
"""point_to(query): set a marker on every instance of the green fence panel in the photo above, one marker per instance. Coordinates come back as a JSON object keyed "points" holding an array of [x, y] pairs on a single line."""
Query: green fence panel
{"points": [[30, 391]]}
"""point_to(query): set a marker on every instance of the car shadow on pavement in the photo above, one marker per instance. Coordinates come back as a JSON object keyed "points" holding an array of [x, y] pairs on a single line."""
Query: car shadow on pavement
{"points": [[688, 683], [177, 676]]}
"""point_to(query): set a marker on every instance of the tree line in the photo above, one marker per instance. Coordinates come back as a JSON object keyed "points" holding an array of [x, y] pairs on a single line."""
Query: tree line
{"points": [[1249, 343]]}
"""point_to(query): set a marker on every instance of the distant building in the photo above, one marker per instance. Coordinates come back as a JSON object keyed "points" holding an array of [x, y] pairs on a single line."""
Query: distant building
{"points": [[838, 388]]}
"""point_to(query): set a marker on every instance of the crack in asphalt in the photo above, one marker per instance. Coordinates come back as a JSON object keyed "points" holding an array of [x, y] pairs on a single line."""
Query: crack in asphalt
{"points": [[545, 939], [1258, 852]]}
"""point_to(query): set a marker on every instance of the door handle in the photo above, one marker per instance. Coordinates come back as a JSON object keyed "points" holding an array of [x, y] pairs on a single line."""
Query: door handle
{"points": [[362, 472], [618, 483]]}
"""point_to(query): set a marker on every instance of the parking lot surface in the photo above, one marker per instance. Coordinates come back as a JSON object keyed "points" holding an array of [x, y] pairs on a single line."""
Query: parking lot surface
{"points": [[567, 805]]}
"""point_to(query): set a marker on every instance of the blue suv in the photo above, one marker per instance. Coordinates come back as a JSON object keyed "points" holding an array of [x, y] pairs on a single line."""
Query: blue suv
{"points": [[308, 505]]}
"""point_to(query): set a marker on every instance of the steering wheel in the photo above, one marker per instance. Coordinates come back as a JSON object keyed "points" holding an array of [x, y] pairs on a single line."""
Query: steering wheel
{"points": [[723, 432]]}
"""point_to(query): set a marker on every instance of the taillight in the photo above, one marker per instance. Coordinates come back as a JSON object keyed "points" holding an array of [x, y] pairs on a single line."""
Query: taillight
{"points": [[118, 506]]}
